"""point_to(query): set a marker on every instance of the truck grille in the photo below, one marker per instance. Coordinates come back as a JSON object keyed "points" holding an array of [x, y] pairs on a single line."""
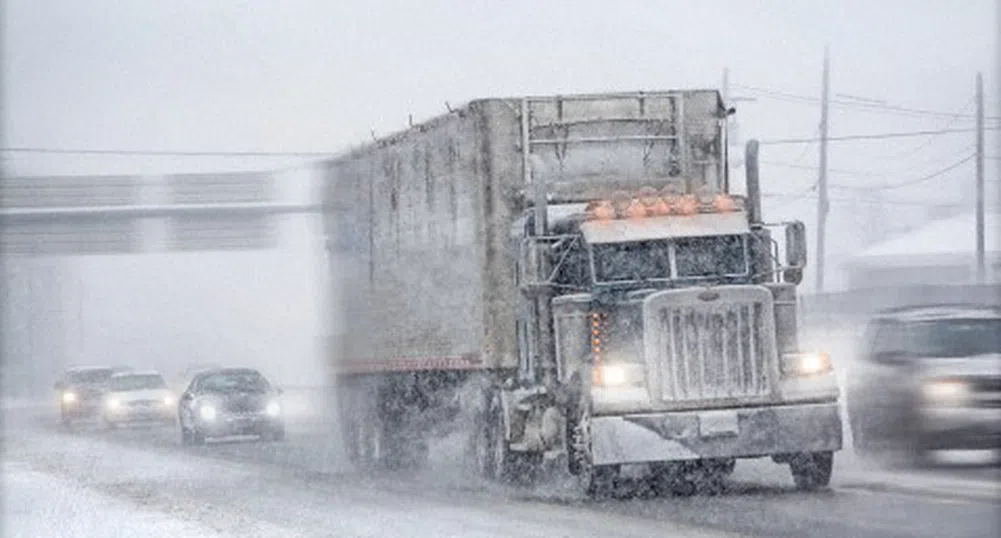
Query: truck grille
{"points": [[718, 347]]}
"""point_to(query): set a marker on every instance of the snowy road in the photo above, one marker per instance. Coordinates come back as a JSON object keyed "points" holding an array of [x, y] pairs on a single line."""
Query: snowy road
{"points": [[131, 480]]}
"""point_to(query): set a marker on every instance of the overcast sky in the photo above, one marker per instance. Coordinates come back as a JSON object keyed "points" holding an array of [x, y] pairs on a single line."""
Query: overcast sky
{"points": [[293, 75]]}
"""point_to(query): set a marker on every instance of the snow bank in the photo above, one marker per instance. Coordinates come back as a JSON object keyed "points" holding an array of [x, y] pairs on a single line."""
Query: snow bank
{"points": [[39, 504]]}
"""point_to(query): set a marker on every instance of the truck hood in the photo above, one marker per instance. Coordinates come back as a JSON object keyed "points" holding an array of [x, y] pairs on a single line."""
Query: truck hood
{"points": [[976, 366], [699, 225]]}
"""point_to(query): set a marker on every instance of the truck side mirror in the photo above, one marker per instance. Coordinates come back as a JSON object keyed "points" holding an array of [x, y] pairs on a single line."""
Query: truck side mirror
{"points": [[795, 252]]}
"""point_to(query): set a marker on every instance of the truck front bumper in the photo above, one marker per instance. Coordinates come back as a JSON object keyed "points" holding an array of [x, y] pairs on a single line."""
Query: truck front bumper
{"points": [[723, 433]]}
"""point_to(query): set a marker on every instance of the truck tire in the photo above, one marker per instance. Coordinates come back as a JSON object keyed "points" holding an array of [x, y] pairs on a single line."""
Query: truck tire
{"points": [[593, 480], [503, 464], [812, 470]]}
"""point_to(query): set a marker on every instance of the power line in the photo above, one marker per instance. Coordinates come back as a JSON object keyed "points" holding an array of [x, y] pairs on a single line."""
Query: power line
{"points": [[165, 153], [914, 181], [325, 154], [872, 105], [931, 138], [877, 136], [857, 173], [793, 197]]}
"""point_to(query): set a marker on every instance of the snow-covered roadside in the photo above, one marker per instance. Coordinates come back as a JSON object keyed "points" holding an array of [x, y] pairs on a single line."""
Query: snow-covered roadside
{"points": [[21, 403], [247, 499], [40, 504]]}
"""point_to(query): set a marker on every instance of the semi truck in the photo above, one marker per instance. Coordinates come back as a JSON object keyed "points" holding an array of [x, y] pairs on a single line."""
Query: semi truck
{"points": [[572, 281]]}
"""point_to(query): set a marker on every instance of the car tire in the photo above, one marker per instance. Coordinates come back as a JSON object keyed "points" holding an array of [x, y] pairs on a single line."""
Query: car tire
{"points": [[106, 424], [191, 436], [275, 434]]}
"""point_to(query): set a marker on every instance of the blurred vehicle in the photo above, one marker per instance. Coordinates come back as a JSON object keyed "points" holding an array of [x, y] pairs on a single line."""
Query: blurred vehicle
{"points": [[137, 397], [230, 401], [81, 390], [929, 379], [183, 378]]}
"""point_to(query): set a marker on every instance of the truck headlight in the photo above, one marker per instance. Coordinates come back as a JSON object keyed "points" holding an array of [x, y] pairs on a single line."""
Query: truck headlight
{"points": [[207, 412], [114, 403], [617, 375], [273, 409], [945, 392], [69, 397], [805, 364]]}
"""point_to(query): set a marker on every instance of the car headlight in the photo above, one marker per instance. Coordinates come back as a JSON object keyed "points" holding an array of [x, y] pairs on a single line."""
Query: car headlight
{"points": [[805, 364], [168, 400], [945, 392], [114, 403], [273, 409], [69, 397], [617, 375], [207, 412]]}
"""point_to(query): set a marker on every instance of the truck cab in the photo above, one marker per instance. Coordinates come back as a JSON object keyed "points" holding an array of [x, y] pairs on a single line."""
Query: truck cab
{"points": [[674, 328]]}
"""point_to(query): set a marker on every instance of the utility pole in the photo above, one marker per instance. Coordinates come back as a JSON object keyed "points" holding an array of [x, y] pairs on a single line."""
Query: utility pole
{"points": [[981, 270], [823, 205]]}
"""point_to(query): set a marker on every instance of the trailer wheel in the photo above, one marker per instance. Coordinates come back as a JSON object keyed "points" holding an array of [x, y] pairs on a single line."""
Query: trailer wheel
{"points": [[361, 427]]}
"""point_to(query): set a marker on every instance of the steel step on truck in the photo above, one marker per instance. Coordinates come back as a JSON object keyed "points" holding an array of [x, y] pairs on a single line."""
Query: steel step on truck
{"points": [[571, 280]]}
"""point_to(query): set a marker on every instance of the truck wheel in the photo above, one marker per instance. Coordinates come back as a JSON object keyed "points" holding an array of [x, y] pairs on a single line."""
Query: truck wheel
{"points": [[710, 475], [812, 470], [503, 463], [480, 449], [593, 480], [673, 478]]}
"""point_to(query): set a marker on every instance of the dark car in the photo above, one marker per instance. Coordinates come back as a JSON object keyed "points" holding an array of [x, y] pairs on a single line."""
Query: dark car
{"points": [[81, 390], [227, 402], [929, 379]]}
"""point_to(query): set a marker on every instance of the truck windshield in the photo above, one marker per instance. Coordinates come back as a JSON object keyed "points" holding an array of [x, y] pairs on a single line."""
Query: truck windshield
{"points": [[695, 257], [710, 256], [633, 261]]}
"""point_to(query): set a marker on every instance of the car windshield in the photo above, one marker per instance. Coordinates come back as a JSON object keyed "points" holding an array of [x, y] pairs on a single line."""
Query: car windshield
{"points": [[91, 376], [137, 382], [235, 382], [956, 337]]}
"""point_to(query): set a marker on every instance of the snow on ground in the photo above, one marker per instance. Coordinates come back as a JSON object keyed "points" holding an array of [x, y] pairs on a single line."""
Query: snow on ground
{"points": [[249, 499], [39, 504]]}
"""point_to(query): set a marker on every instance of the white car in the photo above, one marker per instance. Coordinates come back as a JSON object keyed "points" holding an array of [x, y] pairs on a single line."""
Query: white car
{"points": [[138, 397], [929, 379]]}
